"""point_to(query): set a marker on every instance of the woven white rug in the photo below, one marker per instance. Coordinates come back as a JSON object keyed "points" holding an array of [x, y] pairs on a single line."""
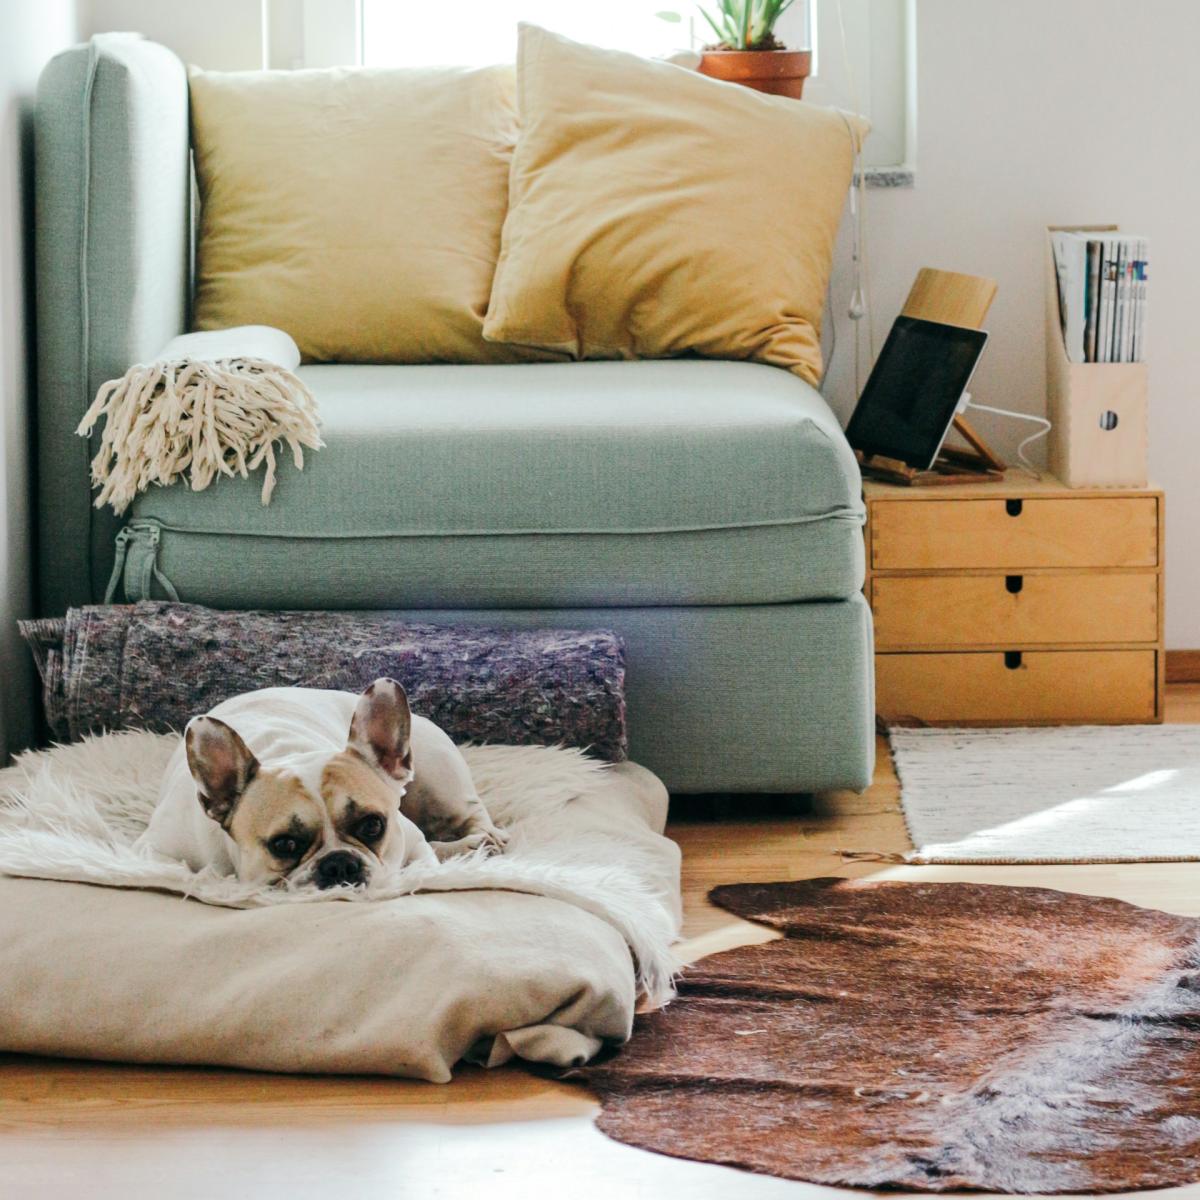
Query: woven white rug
{"points": [[1102, 793]]}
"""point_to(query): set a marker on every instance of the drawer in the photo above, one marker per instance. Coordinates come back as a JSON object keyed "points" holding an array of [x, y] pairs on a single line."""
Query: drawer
{"points": [[1100, 531], [991, 687], [1013, 610]]}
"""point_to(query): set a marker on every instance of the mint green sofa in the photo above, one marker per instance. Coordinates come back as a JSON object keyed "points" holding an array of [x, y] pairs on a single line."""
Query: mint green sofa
{"points": [[709, 512]]}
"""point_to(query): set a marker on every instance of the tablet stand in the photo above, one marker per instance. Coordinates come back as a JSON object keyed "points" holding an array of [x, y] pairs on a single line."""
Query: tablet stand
{"points": [[952, 465], [950, 299]]}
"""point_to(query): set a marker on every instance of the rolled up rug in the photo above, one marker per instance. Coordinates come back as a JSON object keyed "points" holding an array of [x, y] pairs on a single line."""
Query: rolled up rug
{"points": [[209, 404], [154, 665]]}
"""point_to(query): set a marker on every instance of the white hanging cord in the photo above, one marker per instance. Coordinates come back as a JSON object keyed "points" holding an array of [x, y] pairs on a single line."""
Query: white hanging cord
{"points": [[858, 304], [860, 299], [860, 183]]}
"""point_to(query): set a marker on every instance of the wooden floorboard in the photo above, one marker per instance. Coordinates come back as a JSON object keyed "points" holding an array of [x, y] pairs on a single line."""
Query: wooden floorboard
{"points": [[101, 1131], [1183, 666]]}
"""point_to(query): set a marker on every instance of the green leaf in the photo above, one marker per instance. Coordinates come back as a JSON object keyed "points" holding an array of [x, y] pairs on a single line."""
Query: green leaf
{"points": [[672, 18], [732, 21], [781, 6], [768, 14], [721, 36]]}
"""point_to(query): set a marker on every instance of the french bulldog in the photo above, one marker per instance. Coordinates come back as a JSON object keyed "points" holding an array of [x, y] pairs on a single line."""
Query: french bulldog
{"points": [[314, 788]]}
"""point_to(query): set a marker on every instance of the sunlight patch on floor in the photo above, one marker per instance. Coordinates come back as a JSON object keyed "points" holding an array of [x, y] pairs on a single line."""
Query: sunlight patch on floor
{"points": [[1143, 783], [735, 932]]}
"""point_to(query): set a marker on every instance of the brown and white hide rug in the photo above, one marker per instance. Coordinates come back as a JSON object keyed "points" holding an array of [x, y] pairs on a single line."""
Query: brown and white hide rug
{"points": [[930, 1037]]}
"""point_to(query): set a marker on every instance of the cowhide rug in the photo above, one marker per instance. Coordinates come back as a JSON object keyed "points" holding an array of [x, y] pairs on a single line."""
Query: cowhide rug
{"points": [[931, 1037]]}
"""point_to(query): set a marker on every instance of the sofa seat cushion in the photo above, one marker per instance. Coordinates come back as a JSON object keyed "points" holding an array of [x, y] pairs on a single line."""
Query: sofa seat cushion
{"points": [[607, 483]]}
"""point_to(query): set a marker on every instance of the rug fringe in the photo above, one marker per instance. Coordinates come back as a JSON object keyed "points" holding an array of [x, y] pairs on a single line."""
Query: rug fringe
{"points": [[880, 856], [921, 860]]}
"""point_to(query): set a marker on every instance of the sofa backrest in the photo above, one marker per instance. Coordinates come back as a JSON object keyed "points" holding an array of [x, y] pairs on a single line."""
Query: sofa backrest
{"points": [[113, 244]]}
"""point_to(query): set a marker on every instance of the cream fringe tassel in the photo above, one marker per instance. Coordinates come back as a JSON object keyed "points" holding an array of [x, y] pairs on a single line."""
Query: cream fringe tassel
{"points": [[218, 417]]}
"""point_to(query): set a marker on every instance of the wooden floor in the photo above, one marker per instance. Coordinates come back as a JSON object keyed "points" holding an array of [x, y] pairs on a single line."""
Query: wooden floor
{"points": [[79, 1129]]}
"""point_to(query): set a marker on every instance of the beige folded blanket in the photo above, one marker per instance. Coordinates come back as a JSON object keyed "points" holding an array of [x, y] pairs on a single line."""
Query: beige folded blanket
{"points": [[537, 953], [209, 404]]}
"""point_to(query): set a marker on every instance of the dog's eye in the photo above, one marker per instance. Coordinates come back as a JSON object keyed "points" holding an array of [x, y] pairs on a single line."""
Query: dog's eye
{"points": [[370, 829], [284, 846]]}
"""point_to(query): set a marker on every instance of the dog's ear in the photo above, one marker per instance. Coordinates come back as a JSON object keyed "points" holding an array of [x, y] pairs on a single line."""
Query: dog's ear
{"points": [[382, 728], [220, 763]]}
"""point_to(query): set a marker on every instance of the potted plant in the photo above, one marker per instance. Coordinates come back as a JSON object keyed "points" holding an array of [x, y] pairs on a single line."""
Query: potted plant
{"points": [[747, 52]]}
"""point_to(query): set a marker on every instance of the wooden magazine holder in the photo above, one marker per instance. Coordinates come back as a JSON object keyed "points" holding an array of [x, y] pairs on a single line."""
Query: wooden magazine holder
{"points": [[950, 299]]}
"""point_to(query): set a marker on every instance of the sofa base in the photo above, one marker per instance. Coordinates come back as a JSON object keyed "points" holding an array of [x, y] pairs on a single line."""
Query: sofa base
{"points": [[738, 698], [721, 698]]}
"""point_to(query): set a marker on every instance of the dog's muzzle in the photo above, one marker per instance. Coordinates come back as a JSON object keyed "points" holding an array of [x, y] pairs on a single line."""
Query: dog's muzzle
{"points": [[340, 869]]}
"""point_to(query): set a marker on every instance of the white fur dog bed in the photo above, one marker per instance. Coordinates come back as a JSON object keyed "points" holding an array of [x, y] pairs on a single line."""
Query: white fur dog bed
{"points": [[539, 953]]}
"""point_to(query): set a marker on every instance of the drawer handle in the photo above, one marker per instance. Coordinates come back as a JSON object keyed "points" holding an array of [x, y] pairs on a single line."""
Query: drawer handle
{"points": [[1012, 659], [1013, 507], [1014, 583]]}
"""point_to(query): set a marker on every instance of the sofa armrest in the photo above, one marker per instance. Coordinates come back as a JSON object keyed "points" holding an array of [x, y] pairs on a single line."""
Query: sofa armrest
{"points": [[112, 253]]}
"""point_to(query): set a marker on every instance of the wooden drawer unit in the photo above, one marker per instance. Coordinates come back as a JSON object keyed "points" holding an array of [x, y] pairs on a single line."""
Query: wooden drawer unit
{"points": [[1025, 687], [915, 611], [1021, 602], [1015, 533]]}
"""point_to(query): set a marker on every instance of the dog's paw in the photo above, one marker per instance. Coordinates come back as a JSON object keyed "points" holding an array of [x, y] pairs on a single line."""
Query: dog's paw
{"points": [[497, 839], [492, 840]]}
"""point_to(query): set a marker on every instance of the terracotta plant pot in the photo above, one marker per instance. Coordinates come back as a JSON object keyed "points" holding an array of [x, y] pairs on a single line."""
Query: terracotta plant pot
{"points": [[779, 72]]}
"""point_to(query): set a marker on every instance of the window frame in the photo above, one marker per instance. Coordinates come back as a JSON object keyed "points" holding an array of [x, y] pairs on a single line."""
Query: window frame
{"points": [[877, 72]]}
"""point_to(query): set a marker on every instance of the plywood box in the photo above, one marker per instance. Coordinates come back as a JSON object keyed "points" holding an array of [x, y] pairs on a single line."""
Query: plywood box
{"points": [[1099, 410], [1016, 602]]}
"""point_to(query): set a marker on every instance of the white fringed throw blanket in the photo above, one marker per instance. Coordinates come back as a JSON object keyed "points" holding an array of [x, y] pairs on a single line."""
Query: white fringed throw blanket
{"points": [[209, 404]]}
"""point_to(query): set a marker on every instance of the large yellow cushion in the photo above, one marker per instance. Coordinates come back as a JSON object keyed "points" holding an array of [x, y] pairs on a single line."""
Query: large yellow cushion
{"points": [[360, 211], [654, 211]]}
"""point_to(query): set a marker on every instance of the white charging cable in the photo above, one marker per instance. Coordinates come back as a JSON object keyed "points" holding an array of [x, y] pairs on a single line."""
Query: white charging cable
{"points": [[1022, 457]]}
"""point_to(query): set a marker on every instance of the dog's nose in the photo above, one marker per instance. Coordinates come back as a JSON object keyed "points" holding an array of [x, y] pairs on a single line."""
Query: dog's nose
{"points": [[341, 868]]}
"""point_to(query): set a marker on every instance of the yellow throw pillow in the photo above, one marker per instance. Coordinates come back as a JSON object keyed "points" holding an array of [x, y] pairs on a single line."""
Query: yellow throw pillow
{"points": [[358, 210], [654, 211]]}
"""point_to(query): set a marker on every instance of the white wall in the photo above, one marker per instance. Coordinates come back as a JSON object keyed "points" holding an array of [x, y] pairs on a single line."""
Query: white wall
{"points": [[225, 35], [1033, 113], [236, 35], [29, 35]]}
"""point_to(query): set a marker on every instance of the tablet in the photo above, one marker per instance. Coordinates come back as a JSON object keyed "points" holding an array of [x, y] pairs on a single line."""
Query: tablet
{"points": [[914, 390]]}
